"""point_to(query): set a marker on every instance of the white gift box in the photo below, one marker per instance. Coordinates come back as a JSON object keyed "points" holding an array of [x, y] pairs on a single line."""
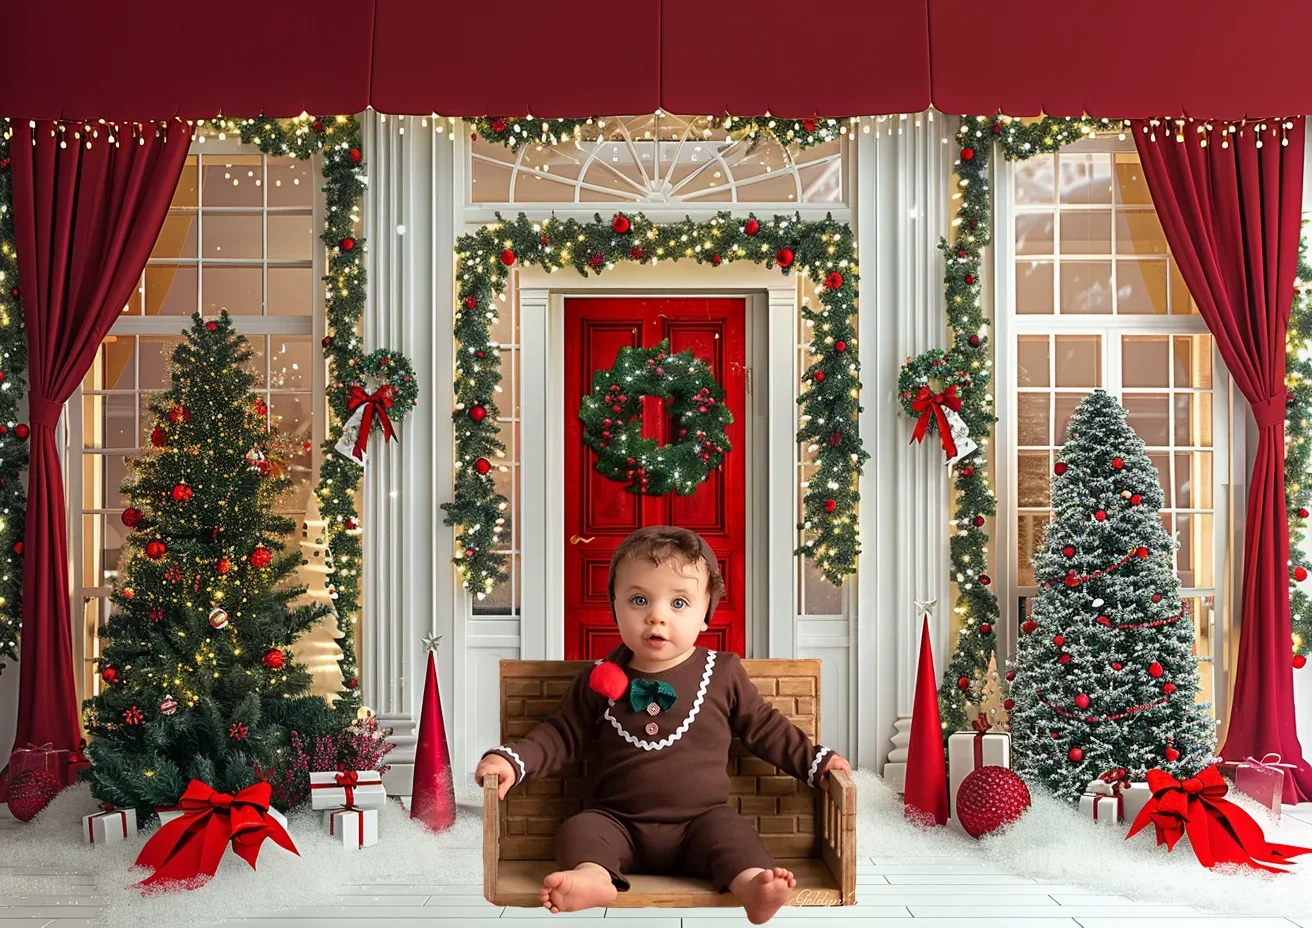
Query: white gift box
{"points": [[1136, 796], [968, 751], [365, 791], [355, 828], [109, 827], [1106, 805]]}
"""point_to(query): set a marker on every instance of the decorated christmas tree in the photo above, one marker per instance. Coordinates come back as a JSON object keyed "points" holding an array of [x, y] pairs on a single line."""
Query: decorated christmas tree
{"points": [[197, 680], [1105, 671]]}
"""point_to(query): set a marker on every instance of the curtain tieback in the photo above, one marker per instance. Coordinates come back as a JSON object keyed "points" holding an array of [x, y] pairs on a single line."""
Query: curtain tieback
{"points": [[1271, 412], [44, 411]]}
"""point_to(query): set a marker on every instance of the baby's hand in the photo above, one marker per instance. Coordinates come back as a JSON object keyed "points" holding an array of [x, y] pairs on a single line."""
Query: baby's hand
{"points": [[495, 763], [834, 762]]}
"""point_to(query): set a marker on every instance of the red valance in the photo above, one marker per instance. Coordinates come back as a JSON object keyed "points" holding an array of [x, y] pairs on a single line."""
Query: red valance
{"points": [[79, 59]]}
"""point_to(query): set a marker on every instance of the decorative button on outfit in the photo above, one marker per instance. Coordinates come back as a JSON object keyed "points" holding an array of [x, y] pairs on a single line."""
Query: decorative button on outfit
{"points": [[653, 709], [652, 728]]}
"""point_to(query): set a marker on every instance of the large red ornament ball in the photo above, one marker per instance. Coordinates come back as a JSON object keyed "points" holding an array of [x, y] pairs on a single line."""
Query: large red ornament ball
{"points": [[1082, 700], [751, 227], [1100, 515], [963, 683], [985, 628], [507, 257], [1302, 513], [132, 516], [1135, 499], [1142, 552], [355, 155], [1300, 661], [990, 798], [1117, 463], [620, 224], [1075, 754], [347, 244], [478, 413], [1155, 669], [1300, 574], [260, 557], [156, 549], [109, 675], [1028, 626], [1068, 551], [181, 492], [22, 431], [830, 505], [30, 792], [967, 154], [273, 658], [783, 257], [1059, 468], [482, 465], [608, 679]]}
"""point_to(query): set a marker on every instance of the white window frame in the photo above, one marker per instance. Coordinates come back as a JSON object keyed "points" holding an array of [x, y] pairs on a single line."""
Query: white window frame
{"points": [[313, 326], [1227, 437]]}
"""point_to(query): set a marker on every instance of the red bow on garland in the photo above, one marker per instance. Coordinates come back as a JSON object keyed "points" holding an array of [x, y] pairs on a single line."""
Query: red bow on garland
{"points": [[928, 403], [192, 844], [375, 404], [1219, 831]]}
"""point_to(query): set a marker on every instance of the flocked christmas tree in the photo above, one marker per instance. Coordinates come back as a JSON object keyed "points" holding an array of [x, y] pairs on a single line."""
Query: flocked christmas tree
{"points": [[1105, 671], [196, 677]]}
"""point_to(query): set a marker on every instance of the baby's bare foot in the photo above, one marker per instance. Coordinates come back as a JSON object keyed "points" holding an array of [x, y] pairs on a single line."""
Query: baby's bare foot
{"points": [[584, 887], [764, 893]]}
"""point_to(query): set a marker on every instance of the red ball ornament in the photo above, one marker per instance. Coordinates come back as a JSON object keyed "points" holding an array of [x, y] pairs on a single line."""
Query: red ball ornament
{"points": [[1171, 754], [156, 549], [751, 227], [834, 280], [261, 556], [1011, 675], [1009, 704], [985, 579], [967, 472], [544, 240], [1116, 665], [970, 280], [352, 683], [967, 154], [840, 346], [1300, 661], [109, 675], [990, 798], [1117, 463], [1157, 597], [1064, 659], [157, 437], [978, 521], [18, 548], [830, 505], [507, 257], [1059, 468], [620, 224], [1300, 574], [30, 792], [1141, 552], [819, 376], [1028, 626], [1136, 499], [608, 679], [355, 155], [347, 244], [985, 628], [1155, 669], [273, 658], [482, 465], [326, 341], [181, 492], [223, 566], [317, 126], [179, 414], [1059, 640], [1168, 688], [478, 413], [974, 341], [470, 302], [963, 683], [132, 516], [1302, 513], [211, 327], [1100, 515], [1082, 701], [1076, 755], [783, 257], [1068, 551]]}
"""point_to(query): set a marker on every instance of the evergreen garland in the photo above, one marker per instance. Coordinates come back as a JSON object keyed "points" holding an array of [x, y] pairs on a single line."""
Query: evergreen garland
{"points": [[1298, 453], [802, 133], [612, 421], [824, 250], [13, 435]]}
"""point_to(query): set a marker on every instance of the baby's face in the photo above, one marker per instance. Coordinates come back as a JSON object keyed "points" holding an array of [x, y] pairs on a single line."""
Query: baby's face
{"points": [[661, 609]]}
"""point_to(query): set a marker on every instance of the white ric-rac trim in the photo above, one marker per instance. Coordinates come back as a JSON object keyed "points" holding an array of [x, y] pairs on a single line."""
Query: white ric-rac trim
{"points": [[678, 733], [523, 773], [815, 765]]}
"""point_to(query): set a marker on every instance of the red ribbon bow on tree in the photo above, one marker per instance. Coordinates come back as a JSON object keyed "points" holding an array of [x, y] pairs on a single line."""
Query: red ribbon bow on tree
{"points": [[1219, 831], [191, 845], [375, 404], [928, 403]]}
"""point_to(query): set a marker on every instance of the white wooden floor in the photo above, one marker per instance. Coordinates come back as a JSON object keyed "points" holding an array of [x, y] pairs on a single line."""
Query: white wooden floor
{"points": [[935, 892]]}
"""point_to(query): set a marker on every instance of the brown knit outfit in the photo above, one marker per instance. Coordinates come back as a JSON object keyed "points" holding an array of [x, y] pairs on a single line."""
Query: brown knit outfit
{"points": [[660, 800]]}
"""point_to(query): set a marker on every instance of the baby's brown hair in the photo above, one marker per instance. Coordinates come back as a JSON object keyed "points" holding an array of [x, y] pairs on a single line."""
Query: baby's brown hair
{"points": [[658, 543]]}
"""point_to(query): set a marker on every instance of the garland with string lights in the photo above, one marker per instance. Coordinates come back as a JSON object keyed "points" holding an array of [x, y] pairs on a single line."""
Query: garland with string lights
{"points": [[1298, 452], [823, 250], [802, 133], [338, 138], [13, 434]]}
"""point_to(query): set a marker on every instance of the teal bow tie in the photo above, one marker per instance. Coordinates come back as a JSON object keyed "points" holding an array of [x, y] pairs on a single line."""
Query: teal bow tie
{"points": [[644, 692]]}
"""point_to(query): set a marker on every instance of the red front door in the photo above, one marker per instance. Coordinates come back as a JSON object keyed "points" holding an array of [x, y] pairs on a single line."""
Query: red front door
{"points": [[599, 513]]}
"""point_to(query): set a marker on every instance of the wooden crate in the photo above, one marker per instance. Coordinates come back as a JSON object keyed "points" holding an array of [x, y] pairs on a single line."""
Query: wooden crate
{"points": [[808, 831]]}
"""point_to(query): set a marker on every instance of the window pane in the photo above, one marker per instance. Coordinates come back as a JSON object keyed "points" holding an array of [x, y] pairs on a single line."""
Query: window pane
{"points": [[1086, 233], [1032, 426], [292, 414], [113, 538], [239, 290], [178, 237], [1148, 417], [1032, 361], [1193, 480], [1085, 178], [233, 236], [1064, 405], [1029, 540], [1086, 287], [1145, 361], [1193, 361], [156, 352], [289, 363], [1033, 474], [1034, 287], [1035, 180], [255, 364], [1131, 187], [120, 427], [1181, 302], [291, 291], [229, 180], [1139, 232], [291, 237], [1202, 612], [1034, 233], [1196, 541], [822, 597], [291, 181], [1193, 419], [170, 290], [1162, 466], [1078, 360], [1141, 287], [184, 195]]}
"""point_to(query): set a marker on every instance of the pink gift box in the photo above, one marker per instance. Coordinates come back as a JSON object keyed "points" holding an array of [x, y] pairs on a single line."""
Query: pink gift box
{"points": [[41, 758], [1262, 780]]}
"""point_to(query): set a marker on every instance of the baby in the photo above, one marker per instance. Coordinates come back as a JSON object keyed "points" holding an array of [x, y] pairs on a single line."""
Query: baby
{"points": [[661, 713]]}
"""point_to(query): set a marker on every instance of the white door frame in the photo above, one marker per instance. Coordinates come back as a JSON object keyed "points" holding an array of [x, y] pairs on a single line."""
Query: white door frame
{"points": [[771, 594]]}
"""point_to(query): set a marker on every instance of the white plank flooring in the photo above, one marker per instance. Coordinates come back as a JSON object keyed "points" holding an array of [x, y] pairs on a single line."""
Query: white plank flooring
{"points": [[892, 893]]}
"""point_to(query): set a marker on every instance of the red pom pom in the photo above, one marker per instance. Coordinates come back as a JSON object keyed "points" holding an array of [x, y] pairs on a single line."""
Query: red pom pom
{"points": [[273, 658], [783, 257], [211, 327], [716, 259], [1064, 659], [636, 253], [1059, 468], [751, 227], [620, 224], [30, 792], [355, 155], [1168, 688], [834, 280], [1059, 640], [967, 154], [470, 302], [1155, 669], [608, 679], [990, 798], [840, 347], [1075, 754], [967, 472], [507, 257], [156, 549], [1299, 661], [1142, 552], [1300, 574], [1136, 499], [157, 437], [109, 675]]}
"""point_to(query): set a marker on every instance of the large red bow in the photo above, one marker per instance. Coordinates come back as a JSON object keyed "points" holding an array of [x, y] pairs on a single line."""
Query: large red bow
{"points": [[928, 403], [1219, 831], [375, 404], [192, 844]]}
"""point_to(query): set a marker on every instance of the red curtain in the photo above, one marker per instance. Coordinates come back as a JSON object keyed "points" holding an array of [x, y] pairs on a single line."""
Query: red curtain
{"points": [[1230, 205], [88, 207]]}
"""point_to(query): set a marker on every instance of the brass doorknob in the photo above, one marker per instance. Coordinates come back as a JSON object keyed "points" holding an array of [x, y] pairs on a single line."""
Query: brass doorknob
{"points": [[577, 539]]}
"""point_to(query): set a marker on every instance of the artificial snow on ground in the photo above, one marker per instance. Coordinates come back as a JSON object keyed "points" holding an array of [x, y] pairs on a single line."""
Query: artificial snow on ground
{"points": [[1052, 843]]}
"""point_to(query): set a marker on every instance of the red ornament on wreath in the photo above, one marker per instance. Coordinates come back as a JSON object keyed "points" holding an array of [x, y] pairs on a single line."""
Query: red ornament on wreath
{"points": [[1059, 468], [636, 253], [830, 505], [482, 465], [1300, 573], [347, 244], [834, 280], [477, 413], [260, 557], [1299, 661], [1075, 754], [30, 792], [751, 227], [1118, 464], [840, 346], [1302, 513], [507, 257], [990, 798], [355, 155], [783, 257], [620, 224], [967, 154], [109, 675], [181, 493]]}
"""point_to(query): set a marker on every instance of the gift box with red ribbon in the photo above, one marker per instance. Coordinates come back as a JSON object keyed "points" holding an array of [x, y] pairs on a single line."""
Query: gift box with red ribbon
{"points": [[970, 750], [1262, 780], [355, 828], [347, 789], [109, 827], [1113, 799], [42, 758]]}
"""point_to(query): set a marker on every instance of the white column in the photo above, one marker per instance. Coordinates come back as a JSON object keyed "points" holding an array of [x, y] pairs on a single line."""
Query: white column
{"points": [[902, 190], [407, 551]]}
